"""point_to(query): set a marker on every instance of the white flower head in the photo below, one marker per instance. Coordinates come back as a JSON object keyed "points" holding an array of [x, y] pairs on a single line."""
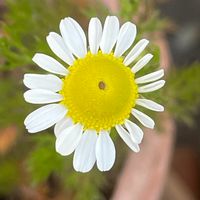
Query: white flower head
{"points": [[96, 91]]}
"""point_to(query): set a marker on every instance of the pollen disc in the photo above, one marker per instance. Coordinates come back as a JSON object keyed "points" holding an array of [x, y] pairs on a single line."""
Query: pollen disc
{"points": [[99, 91]]}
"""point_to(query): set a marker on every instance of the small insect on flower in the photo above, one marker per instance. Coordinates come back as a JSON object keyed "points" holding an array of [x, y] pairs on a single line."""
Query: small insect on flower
{"points": [[97, 91]]}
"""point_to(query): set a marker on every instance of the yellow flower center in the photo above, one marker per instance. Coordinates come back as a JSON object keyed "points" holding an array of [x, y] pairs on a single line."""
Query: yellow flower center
{"points": [[99, 91]]}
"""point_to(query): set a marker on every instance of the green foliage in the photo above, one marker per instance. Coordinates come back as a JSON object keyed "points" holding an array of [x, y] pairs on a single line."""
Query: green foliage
{"points": [[154, 23], [128, 8], [142, 13], [182, 92], [86, 186], [8, 175], [13, 108], [26, 25], [43, 159], [94, 9]]}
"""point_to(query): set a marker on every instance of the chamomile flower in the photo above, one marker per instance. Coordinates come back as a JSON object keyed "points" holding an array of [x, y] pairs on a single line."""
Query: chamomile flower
{"points": [[97, 90]]}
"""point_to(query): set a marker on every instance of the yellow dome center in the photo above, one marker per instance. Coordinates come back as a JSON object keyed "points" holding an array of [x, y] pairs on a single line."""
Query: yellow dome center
{"points": [[99, 91]]}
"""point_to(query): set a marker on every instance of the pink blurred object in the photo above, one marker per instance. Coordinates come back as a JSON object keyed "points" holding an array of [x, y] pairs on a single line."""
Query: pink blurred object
{"points": [[143, 176], [113, 5]]}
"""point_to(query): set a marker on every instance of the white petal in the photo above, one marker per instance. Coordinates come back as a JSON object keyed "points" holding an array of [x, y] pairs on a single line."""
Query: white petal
{"points": [[57, 45], [127, 138], [125, 39], [61, 125], [49, 64], [44, 117], [135, 131], [151, 105], [154, 76], [73, 36], [135, 52], [94, 34], [105, 151], [68, 139], [143, 118], [84, 155], [141, 63], [40, 81], [41, 96], [110, 34], [151, 87]]}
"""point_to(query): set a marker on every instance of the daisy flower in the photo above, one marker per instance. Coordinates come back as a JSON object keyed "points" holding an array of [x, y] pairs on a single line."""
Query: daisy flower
{"points": [[97, 90]]}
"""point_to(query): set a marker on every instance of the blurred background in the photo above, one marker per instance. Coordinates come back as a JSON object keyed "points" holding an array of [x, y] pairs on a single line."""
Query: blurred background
{"points": [[168, 166]]}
